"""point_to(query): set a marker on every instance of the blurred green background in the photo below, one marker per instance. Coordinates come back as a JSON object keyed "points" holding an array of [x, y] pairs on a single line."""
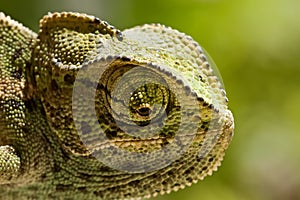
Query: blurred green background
{"points": [[256, 45]]}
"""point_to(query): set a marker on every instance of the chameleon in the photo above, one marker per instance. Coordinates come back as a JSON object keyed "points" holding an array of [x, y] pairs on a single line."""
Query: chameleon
{"points": [[90, 111]]}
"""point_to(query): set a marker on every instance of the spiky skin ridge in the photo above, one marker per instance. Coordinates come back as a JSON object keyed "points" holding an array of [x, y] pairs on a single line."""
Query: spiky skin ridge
{"points": [[42, 156]]}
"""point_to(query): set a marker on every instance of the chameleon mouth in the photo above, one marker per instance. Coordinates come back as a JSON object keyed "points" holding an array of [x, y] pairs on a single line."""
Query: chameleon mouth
{"points": [[143, 145]]}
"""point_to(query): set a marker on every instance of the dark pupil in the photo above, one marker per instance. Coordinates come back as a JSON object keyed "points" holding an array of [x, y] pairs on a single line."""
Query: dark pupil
{"points": [[144, 111]]}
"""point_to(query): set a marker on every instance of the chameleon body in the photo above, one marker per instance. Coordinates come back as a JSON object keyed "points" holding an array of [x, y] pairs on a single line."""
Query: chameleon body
{"points": [[89, 111]]}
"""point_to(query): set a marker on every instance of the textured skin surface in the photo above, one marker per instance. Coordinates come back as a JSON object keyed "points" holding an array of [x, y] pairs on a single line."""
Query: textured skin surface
{"points": [[49, 144]]}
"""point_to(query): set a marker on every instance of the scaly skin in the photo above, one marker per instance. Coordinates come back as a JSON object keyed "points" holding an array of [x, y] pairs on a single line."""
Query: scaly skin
{"points": [[88, 111]]}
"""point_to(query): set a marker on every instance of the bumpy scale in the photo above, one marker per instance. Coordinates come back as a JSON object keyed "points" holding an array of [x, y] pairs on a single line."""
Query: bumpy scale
{"points": [[91, 112]]}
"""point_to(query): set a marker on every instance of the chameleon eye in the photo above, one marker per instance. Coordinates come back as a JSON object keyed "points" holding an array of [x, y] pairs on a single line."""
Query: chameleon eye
{"points": [[148, 103], [144, 111], [133, 100]]}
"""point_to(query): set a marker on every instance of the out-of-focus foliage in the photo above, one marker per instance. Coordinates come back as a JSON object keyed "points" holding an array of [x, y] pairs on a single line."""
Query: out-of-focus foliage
{"points": [[256, 45]]}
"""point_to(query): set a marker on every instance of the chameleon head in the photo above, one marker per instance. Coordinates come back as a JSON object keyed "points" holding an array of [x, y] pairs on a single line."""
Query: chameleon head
{"points": [[148, 102]]}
